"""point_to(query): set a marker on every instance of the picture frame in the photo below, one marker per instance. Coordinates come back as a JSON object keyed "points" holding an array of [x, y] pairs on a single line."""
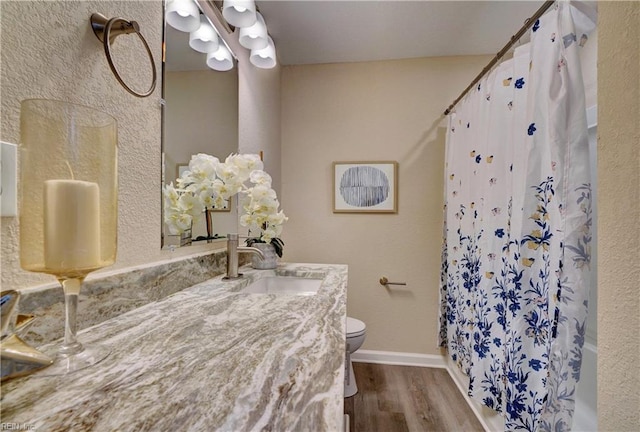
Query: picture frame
{"points": [[181, 168], [365, 187]]}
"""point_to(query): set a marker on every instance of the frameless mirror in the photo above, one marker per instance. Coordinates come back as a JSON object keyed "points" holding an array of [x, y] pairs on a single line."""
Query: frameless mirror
{"points": [[200, 115]]}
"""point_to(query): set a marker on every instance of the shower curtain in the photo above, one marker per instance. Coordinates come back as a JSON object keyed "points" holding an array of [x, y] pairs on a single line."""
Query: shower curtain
{"points": [[516, 250]]}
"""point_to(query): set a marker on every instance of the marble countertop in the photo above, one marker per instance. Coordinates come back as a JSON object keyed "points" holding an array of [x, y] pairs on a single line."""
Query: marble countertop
{"points": [[205, 358]]}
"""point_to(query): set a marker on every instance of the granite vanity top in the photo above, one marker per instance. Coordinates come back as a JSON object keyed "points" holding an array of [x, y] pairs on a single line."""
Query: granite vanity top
{"points": [[205, 358]]}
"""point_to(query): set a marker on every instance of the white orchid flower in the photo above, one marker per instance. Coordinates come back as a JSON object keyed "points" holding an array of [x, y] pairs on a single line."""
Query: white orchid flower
{"points": [[245, 220], [178, 222], [233, 186], [227, 172], [262, 192], [203, 163], [277, 218], [267, 235], [185, 180], [260, 177], [191, 205], [207, 198], [171, 196], [245, 163]]}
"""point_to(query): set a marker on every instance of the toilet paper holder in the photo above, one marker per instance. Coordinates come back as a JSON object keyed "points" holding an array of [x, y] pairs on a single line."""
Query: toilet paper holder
{"points": [[384, 282]]}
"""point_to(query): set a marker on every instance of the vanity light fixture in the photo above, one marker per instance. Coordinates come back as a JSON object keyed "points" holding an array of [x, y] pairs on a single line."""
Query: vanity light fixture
{"points": [[253, 33], [239, 13], [264, 58], [220, 60], [205, 38], [183, 15], [255, 37]]}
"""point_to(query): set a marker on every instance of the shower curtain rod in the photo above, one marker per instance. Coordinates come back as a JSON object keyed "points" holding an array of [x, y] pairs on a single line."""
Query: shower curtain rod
{"points": [[528, 23]]}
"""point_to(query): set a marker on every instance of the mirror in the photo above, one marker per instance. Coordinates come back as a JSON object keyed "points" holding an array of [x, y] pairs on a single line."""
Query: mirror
{"points": [[200, 115]]}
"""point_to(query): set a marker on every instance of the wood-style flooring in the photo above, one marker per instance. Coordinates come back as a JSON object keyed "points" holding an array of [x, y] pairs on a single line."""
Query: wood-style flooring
{"points": [[407, 399]]}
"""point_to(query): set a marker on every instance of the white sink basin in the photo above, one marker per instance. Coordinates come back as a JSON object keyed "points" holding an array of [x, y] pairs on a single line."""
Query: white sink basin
{"points": [[283, 285]]}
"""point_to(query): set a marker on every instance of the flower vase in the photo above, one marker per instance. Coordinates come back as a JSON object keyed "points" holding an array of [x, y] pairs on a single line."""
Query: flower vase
{"points": [[69, 208], [270, 260]]}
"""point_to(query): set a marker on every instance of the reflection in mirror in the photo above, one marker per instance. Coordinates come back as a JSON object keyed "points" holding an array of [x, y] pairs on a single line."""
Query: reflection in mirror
{"points": [[200, 116]]}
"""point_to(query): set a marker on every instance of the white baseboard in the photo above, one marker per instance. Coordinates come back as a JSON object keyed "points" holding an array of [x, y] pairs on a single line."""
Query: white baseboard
{"points": [[399, 358]]}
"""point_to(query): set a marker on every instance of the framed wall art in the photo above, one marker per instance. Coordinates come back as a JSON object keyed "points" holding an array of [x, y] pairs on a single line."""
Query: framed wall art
{"points": [[365, 187]]}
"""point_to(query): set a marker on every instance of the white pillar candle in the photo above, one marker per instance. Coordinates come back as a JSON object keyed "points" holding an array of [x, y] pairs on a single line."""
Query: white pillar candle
{"points": [[71, 225]]}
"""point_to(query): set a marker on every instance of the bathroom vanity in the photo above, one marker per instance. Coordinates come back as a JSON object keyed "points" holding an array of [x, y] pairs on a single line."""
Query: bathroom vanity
{"points": [[215, 356]]}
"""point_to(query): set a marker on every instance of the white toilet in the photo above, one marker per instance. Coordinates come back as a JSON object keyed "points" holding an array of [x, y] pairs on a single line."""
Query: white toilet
{"points": [[356, 330]]}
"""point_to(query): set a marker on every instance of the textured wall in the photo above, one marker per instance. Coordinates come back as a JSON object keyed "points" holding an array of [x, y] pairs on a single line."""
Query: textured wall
{"points": [[48, 50], [619, 213], [373, 111]]}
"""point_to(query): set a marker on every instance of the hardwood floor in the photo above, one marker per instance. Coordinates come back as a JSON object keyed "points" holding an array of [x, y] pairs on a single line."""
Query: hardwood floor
{"points": [[406, 398]]}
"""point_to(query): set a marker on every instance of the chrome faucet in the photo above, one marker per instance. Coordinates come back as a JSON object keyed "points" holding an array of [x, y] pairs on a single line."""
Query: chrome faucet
{"points": [[233, 250]]}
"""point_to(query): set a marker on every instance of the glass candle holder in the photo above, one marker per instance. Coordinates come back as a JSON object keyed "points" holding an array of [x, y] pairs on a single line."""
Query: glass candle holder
{"points": [[69, 206]]}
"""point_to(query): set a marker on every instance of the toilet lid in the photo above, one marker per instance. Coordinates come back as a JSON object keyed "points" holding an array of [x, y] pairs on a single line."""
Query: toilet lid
{"points": [[355, 326]]}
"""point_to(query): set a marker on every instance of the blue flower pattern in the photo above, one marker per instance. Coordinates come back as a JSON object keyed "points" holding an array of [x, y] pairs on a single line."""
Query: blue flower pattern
{"points": [[509, 296]]}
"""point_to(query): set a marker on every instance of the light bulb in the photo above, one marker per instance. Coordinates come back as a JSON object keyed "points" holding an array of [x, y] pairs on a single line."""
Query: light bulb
{"points": [[239, 13], [220, 60], [183, 15], [205, 38], [255, 37], [264, 58]]}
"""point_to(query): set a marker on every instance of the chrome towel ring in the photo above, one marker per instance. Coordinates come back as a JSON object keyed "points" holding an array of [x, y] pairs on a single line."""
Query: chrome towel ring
{"points": [[106, 31]]}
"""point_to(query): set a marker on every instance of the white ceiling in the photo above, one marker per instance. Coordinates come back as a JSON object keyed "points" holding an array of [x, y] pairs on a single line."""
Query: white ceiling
{"points": [[346, 31], [334, 31]]}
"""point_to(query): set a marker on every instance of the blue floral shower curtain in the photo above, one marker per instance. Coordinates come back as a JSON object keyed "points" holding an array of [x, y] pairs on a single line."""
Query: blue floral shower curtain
{"points": [[516, 255]]}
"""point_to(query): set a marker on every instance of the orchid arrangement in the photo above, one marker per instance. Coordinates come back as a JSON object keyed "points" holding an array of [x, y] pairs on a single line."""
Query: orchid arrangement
{"points": [[209, 183], [261, 214]]}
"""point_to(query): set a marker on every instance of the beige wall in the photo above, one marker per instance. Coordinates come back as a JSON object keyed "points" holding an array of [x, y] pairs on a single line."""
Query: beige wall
{"points": [[48, 50], [390, 110], [260, 115], [201, 116], [619, 216]]}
